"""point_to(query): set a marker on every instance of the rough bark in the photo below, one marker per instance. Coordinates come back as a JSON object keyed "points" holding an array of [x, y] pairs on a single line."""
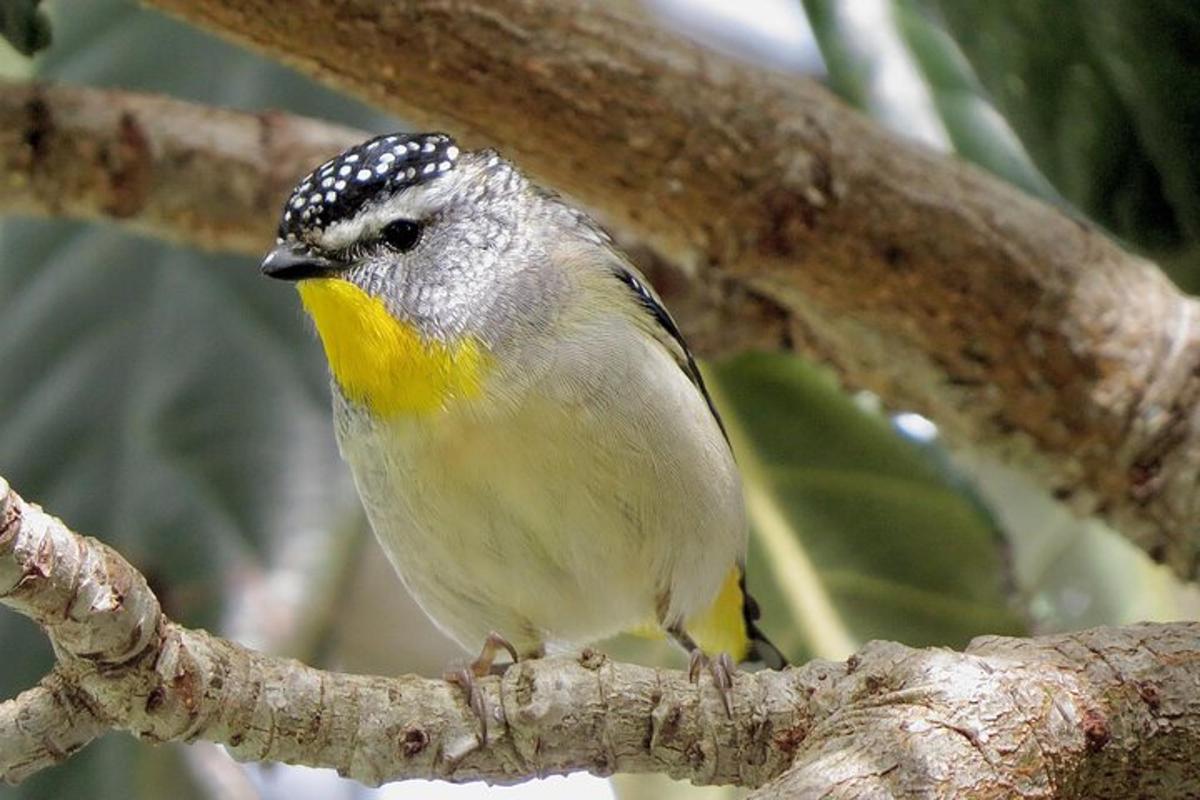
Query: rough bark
{"points": [[1111, 712], [202, 176], [1014, 326], [43, 726], [216, 179]]}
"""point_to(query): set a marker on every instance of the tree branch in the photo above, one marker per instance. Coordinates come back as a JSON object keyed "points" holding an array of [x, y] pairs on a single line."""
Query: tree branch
{"points": [[1098, 713], [43, 726], [934, 285], [202, 176], [216, 179]]}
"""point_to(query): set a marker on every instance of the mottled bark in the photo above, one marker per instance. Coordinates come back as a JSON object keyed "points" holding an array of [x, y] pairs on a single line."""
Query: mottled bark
{"points": [[43, 726], [1110, 712], [216, 179], [1017, 328], [205, 177]]}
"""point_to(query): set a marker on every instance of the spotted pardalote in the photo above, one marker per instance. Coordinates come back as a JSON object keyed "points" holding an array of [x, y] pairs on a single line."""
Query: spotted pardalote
{"points": [[529, 434]]}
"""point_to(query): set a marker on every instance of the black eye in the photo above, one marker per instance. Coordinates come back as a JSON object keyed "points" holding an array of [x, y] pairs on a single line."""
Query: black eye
{"points": [[401, 235]]}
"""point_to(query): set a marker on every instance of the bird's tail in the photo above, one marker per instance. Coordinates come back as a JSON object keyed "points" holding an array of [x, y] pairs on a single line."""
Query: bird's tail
{"points": [[761, 650], [730, 626]]}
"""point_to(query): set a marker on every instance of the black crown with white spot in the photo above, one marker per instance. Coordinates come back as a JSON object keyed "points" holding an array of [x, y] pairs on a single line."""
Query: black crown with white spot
{"points": [[377, 168]]}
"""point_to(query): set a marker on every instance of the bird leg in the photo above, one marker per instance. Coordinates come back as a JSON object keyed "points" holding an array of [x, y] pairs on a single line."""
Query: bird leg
{"points": [[720, 668], [466, 677]]}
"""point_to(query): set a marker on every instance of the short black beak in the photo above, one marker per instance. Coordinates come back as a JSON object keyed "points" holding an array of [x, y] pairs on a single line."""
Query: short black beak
{"points": [[291, 262]]}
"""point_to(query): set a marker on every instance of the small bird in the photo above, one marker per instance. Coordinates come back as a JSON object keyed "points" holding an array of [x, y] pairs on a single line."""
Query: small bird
{"points": [[530, 436]]}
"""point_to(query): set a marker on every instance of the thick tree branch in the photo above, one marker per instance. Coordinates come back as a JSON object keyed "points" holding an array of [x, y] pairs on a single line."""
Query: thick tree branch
{"points": [[792, 221], [203, 176], [216, 180], [1100, 713], [1014, 326]]}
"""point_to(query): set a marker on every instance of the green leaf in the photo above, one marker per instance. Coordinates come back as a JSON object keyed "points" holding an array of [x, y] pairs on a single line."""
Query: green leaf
{"points": [[977, 131], [1105, 96], [158, 408], [24, 25], [850, 66], [858, 533]]}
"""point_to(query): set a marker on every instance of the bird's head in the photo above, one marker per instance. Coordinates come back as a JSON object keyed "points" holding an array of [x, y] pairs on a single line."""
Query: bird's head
{"points": [[416, 261]]}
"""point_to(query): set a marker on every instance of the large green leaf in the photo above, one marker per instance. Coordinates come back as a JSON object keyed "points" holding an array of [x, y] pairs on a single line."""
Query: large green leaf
{"points": [[858, 533], [169, 402], [1105, 95]]}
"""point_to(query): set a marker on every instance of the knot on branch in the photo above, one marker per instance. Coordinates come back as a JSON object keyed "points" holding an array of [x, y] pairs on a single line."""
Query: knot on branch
{"points": [[92, 603]]}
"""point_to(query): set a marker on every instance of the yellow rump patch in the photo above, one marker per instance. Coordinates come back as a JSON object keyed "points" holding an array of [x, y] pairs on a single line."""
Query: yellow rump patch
{"points": [[720, 629], [382, 362]]}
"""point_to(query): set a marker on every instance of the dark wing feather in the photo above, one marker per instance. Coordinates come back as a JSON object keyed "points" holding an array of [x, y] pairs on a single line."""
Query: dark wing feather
{"points": [[683, 356], [761, 648]]}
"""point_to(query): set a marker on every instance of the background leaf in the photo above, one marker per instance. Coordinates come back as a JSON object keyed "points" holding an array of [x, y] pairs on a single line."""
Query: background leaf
{"points": [[894, 549], [1105, 96], [1071, 573], [1035, 58]]}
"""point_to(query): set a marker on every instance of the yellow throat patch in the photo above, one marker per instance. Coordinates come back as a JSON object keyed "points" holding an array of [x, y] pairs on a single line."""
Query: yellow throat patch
{"points": [[382, 362]]}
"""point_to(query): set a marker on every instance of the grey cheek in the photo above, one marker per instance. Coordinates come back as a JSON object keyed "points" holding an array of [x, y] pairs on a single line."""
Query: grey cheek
{"points": [[425, 301], [375, 277]]}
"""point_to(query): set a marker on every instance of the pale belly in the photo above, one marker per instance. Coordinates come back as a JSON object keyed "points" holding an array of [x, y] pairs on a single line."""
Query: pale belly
{"points": [[570, 516]]}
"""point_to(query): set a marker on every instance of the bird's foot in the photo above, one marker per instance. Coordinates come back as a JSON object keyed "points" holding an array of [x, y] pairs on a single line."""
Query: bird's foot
{"points": [[720, 668], [467, 677]]}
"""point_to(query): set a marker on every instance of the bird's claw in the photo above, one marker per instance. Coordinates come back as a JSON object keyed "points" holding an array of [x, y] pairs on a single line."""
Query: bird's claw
{"points": [[721, 669], [467, 677], [492, 645]]}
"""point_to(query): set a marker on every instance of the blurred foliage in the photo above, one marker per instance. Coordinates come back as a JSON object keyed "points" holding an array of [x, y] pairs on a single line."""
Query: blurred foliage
{"points": [[24, 25], [976, 131], [892, 547], [173, 403], [869, 59], [1105, 95], [1070, 573], [1115, 152]]}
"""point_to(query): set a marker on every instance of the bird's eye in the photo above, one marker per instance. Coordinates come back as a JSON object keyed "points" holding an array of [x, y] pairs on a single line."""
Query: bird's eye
{"points": [[401, 235]]}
